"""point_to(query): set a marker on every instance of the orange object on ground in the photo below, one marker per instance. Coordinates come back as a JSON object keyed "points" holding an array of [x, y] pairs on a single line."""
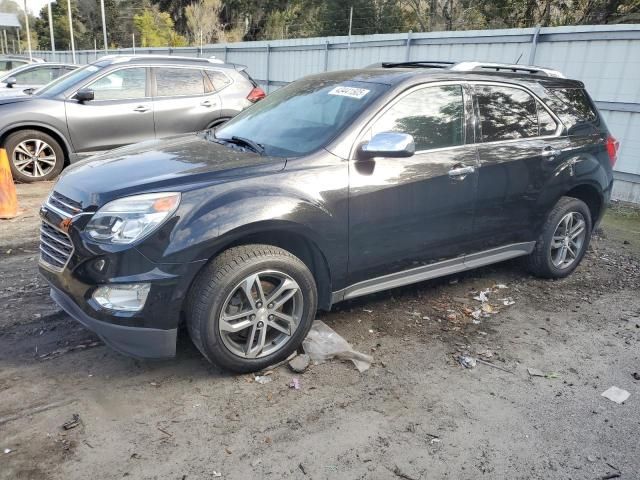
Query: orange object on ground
{"points": [[8, 196]]}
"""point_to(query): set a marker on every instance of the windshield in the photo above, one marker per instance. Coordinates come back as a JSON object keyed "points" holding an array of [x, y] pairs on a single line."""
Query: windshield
{"points": [[66, 81], [302, 116]]}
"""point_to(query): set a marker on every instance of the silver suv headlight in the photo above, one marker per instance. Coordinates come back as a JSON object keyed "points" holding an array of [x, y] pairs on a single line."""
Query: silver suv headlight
{"points": [[128, 219]]}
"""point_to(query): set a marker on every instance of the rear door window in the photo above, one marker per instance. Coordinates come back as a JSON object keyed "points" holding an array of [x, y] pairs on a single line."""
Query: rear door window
{"points": [[548, 125], [434, 116], [174, 82], [506, 113]]}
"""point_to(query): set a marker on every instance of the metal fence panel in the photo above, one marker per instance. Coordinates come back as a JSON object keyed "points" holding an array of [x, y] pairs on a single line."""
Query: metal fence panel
{"points": [[605, 57]]}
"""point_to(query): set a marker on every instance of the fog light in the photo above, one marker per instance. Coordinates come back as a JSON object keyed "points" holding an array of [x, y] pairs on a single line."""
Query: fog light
{"points": [[127, 297]]}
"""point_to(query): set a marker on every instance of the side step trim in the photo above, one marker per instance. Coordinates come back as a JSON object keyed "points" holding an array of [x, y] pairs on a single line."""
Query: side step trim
{"points": [[434, 270]]}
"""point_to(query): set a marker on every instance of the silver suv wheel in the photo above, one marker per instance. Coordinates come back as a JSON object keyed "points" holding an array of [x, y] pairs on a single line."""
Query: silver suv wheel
{"points": [[34, 158]]}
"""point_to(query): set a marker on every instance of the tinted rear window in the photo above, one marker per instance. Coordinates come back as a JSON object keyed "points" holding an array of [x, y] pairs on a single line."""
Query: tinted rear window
{"points": [[577, 100]]}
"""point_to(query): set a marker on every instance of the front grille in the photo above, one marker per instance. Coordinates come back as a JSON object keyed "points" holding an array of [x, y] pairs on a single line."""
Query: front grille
{"points": [[62, 204], [55, 247]]}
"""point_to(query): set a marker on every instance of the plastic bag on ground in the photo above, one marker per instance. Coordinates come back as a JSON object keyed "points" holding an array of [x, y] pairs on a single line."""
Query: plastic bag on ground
{"points": [[323, 343]]}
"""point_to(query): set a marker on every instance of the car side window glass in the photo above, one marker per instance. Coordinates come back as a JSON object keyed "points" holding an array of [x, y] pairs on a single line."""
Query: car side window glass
{"points": [[434, 116], [548, 125], [120, 85], [173, 82], [37, 76], [506, 113], [218, 79]]}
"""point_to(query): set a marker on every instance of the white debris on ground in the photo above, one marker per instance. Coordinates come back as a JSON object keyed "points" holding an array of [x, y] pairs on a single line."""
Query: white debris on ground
{"points": [[486, 308], [616, 394], [323, 343]]}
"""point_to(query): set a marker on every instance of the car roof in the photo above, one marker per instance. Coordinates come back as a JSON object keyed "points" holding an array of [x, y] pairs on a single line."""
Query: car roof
{"points": [[415, 72], [165, 60]]}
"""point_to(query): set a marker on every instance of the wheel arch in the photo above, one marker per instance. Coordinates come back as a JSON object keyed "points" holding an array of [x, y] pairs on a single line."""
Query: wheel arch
{"points": [[591, 196], [288, 236], [53, 132]]}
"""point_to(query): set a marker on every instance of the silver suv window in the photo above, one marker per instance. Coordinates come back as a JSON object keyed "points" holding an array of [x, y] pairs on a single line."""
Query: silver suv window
{"points": [[121, 84], [174, 82], [218, 79]]}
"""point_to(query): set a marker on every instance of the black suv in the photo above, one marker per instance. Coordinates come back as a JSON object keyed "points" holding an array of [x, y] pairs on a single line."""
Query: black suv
{"points": [[336, 186]]}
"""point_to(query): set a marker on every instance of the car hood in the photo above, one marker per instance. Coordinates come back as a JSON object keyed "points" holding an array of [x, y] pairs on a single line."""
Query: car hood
{"points": [[9, 95], [176, 163]]}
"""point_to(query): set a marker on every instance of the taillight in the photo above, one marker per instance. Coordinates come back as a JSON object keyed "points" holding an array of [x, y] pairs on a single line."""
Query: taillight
{"points": [[256, 94], [612, 149]]}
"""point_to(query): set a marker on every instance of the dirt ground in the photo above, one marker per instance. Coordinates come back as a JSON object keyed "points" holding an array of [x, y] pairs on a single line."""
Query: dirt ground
{"points": [[415, 414]]}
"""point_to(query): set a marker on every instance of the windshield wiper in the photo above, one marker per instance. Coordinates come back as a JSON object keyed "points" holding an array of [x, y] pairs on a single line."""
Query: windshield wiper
{"points": [[256, 147]]}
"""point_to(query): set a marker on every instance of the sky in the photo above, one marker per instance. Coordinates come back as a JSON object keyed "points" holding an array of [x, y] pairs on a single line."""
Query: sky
{"points": [[34, 6]]}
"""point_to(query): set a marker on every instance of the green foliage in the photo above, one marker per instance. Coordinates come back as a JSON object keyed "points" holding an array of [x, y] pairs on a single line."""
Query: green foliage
{"points": [[171, 22], [156, 29]]}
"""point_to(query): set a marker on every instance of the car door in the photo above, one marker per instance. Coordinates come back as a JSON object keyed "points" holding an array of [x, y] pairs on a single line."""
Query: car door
{"points": [[184, 101], [120, 113], [408, 212], [519, 151]]}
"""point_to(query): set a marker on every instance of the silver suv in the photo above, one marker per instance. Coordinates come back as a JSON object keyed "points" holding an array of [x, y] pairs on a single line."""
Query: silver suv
{"points": [[116, 101]]}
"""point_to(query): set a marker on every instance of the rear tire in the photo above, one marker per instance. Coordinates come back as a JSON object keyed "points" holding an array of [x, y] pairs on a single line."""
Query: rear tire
{"points": [[34, 156], [229, 328], [564, 240]]}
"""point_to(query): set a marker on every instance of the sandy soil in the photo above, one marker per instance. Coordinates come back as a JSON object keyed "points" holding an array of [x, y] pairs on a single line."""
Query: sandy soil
{"points": [[416, 414]]}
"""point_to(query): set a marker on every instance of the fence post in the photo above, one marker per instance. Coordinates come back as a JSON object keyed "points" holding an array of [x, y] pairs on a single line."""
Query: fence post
{"points": [[326, 55], [534, 45], [268, 66], [408, 49], [226, 50]]}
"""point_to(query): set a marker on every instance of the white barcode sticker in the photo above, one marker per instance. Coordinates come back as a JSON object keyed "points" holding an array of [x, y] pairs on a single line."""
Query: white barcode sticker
{"points": [[349, 92]]}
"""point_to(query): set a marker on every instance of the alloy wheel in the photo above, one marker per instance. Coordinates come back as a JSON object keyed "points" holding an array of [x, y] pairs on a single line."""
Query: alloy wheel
{"points": [[34, 158], [260, 314], [568, 240]]}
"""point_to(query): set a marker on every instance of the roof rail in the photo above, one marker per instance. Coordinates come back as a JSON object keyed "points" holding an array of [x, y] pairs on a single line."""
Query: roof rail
{"points": [[506, 68], [126, 58], [415, 64]]}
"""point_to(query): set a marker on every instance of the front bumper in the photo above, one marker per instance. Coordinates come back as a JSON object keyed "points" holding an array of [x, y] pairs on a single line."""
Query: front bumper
{"points": [[134, 341]]}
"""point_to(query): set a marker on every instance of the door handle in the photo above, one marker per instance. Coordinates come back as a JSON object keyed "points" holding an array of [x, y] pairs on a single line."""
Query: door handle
{"points": [[461, 172], [206, 103], [549, 153], [141, 109]]}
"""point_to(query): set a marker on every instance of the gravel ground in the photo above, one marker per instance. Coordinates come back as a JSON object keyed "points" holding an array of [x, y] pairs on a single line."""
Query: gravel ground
{"points": [[415, 414]]}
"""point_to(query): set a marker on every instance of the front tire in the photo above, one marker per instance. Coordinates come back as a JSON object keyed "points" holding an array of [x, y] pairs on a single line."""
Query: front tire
{"points": [[251, 307], [34, 156], [564, 240]]}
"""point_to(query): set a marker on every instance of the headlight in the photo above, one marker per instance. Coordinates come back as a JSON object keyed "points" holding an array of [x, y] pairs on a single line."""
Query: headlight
{"points": [[130, 218]]}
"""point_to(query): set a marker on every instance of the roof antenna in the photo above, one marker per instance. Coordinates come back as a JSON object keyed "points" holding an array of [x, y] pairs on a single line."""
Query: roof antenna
{"points": [[518, 60]]}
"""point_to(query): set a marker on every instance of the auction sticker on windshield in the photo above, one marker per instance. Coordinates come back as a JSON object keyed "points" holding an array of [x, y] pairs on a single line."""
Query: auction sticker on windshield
{"points": [[352, 92]]}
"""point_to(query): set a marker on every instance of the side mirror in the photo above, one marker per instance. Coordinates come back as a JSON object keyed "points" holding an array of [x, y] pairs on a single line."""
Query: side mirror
{"points": [[389, 144], [85, 95], [11, 81]]}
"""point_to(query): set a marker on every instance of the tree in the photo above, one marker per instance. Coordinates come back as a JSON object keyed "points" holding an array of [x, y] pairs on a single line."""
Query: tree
{"points": [[82, 38], [203, 21], [156, 29]]}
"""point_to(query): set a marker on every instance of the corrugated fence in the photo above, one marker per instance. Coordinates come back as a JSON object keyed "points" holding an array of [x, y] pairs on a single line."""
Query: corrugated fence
{"points": [[605, 57]]}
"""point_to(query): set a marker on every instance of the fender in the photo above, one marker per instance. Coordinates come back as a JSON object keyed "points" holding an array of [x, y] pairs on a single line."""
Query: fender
{"points": [[216, 217], [589, 168], [37, 125]]}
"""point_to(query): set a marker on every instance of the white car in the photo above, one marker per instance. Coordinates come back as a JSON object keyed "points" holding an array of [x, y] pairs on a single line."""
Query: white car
{"points": [[24, 80]]}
